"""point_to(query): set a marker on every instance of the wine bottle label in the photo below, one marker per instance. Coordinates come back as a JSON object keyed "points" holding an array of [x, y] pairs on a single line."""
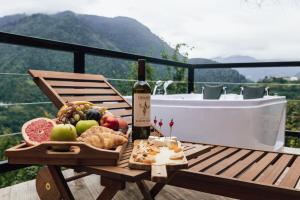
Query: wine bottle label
{"points": [[141, 109]]}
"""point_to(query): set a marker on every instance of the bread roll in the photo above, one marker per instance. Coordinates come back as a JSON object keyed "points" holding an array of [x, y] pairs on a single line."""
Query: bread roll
{"points": [[102, 137]]}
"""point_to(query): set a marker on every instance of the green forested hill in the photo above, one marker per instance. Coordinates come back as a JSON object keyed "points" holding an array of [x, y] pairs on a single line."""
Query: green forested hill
{"points": [[118, 33], [216, 75]]}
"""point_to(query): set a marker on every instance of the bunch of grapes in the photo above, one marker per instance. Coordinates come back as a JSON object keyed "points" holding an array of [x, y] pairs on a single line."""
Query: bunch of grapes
{"points": [[73, 112]]}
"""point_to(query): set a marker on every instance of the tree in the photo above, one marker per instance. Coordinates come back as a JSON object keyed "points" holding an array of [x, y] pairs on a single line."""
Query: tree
{"points": [[177, 74]]}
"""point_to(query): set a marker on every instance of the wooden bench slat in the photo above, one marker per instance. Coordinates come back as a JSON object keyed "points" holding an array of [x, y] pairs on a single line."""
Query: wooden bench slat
{"points": [[125, 157], [215, 159], [78, 84], [292, 176], [274, 171], [123, 165], [197, 150], [221, 166], [123, 161], [92, 98], [125, 154], [121, 113], [83, 91], [258, 167], [207, 155], [65, 75], [241, 165], [185, 148], [114, 105]]}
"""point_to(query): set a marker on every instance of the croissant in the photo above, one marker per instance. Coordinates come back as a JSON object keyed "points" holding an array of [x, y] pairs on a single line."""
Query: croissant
{"points": [[102, 137]]}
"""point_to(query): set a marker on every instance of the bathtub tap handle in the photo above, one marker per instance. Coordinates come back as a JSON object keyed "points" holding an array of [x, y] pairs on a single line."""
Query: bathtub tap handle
{"points": [[242, 90], [267, 91], [166, 84], [202, 90], [158, 84], [224, 89]]}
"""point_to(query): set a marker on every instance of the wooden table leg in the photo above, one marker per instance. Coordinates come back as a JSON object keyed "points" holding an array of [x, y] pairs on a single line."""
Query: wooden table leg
{"points": [[111, 188], [60, 182], [156, 189], [144, 190], [159, 186], [107, 194]]}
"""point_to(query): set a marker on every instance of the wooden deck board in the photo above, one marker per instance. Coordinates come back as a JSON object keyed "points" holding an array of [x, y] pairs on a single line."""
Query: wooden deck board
{"points": [[273, 172], [292, 177], [89, 187], [204, 156], [243, 164], [258, 167], [213, 160], [227, 162]]}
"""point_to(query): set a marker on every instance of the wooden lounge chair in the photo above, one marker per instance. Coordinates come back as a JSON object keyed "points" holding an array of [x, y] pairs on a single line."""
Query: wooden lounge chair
{"points": [[222, 170]]}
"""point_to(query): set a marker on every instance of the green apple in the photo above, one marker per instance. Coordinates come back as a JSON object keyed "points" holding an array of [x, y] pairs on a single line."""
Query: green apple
{"points": [[63, 132], [84, 125]]}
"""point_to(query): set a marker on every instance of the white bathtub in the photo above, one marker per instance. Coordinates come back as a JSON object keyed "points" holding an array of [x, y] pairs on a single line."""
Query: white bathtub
{"points": [[255, 123]]}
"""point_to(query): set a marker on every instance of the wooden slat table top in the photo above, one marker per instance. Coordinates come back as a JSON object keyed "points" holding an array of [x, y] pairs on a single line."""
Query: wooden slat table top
{"points": [[246, 165]]}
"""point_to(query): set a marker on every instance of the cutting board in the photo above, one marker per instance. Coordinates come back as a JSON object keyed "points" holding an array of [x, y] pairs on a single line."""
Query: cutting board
{"points": [[161, 166]]}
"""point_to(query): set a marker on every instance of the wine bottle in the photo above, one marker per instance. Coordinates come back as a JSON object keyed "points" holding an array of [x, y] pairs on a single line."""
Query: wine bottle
{"points": [[141, 97]]}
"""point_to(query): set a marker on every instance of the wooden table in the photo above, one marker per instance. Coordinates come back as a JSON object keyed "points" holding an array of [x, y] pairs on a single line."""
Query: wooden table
{"points": [[113, 178], [228, 171]]}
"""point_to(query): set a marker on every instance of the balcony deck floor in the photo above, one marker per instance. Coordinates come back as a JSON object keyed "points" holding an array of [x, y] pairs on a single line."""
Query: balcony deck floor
{"points": [[88, 188]]}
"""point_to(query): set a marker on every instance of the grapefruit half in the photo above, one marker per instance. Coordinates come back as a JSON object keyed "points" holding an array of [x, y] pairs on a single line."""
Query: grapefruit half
{"points": [[37, 130]]}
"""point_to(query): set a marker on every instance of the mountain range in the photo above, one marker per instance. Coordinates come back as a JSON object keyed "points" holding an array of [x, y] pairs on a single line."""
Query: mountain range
{"points": [[256, 74], [117, 33]]}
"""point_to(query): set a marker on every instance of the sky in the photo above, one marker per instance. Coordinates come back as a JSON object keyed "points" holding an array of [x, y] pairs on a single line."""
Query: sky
{"points": [[264, 29]]}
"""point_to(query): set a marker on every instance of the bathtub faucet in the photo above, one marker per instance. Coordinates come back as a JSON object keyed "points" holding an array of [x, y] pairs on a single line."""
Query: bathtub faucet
{"points": [[224, 90], [157, 84], [267, 91], [166, 84]]}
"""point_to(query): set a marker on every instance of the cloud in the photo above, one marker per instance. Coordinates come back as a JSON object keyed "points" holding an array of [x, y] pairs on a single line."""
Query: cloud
{"points": [[265, 29]]}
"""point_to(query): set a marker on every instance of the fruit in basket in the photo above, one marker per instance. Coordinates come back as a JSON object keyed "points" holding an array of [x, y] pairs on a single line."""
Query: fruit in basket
{"points": [[84, 125], [63, 132], [75, 111], [72, 112], [80, 104], [123, 125], [93, 114], [37, 130], [109, 121]]}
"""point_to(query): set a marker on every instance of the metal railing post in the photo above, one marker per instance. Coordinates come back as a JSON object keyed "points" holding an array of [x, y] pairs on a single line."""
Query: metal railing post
{"points": [[191, 79], [79, 62]]}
